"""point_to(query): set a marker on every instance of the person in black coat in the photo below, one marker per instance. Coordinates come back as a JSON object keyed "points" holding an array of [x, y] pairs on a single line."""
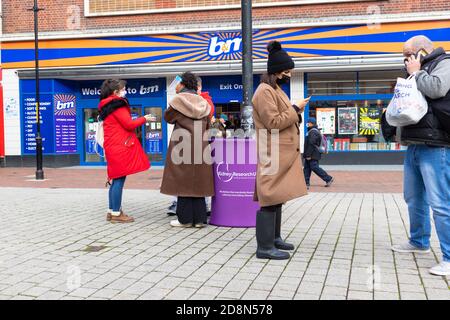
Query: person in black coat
{"points": [[389, 132], [312, 155]]}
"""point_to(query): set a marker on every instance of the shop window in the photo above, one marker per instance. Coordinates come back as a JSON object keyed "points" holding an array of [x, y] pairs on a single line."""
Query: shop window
{"points": [[348, 107], [233, 112], [154, 135], [352, 125], [331, 84], [378, 82], [92, 154], [111, 7]]}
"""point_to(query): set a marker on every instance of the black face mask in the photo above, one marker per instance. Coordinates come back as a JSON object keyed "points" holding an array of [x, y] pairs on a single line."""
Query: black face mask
{"points": [[284, 80]]}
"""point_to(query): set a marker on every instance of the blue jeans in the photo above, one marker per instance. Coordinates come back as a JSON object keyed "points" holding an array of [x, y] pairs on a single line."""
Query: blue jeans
{"points": [[115, 194], [427, 184], [313, 166]]}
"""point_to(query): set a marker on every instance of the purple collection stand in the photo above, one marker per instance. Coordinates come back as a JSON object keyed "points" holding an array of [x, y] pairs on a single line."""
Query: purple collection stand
{"points": [[234, 182]]}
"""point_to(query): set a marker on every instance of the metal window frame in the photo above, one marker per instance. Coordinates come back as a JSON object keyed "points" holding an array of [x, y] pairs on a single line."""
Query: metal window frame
{"points": [[87, 12]]}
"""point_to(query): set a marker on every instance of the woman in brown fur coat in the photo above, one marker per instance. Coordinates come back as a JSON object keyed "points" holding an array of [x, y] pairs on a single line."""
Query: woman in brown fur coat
{"points": [[187, 174]]}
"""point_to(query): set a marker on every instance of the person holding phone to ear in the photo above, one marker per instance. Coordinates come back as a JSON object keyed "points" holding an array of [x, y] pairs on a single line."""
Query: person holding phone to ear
{"points": [[427, 161]]}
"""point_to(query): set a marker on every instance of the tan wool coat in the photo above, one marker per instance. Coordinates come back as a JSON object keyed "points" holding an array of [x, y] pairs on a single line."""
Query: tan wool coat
{"points": [[272, 112], [186, 111]]}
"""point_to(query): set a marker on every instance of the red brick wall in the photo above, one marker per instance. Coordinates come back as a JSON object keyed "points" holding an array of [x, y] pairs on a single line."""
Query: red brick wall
{"points": [[17, 19], [99, 6]]}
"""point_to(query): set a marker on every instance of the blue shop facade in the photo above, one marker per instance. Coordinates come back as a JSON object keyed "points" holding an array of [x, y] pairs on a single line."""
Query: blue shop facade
{"points": [[69, 111]]}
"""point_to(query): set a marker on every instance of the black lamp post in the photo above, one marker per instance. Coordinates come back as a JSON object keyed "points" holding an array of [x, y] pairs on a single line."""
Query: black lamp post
{"points": [[247, 67], [39, 170]]}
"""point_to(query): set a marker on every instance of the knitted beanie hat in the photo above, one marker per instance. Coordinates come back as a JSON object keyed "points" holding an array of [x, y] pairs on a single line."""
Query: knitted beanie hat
{"points": [[279, 60]]}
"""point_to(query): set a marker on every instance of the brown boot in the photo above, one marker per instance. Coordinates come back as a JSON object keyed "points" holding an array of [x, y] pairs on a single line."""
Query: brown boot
{"points": [[122, 218], [109, 215]]}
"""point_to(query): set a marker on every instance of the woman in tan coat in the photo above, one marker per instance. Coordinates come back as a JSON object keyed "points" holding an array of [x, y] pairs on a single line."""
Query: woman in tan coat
{"points": [[279, 174], [187, 174]]}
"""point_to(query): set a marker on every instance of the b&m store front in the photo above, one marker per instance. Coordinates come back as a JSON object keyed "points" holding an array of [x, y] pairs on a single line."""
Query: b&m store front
{"points": [[350, 72]]}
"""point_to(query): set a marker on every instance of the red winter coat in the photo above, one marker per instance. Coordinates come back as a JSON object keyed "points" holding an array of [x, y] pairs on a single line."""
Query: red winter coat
{"points": [[123, 151], [205, 95]]}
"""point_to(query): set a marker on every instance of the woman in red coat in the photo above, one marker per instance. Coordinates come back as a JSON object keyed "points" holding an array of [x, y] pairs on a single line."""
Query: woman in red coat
{"points": [[123, 152]]}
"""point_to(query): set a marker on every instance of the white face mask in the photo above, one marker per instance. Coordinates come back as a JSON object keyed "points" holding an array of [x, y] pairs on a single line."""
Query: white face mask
{"points": [[122, 93]]}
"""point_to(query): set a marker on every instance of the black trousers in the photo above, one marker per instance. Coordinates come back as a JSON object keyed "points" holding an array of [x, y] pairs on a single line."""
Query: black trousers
{"points": [[313, 166], [191, 210]]}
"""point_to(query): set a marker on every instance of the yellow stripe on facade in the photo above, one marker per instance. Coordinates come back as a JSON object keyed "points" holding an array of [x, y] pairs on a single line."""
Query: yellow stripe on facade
{"points": [[94, 43], [390, 47], [371, 29], [67, 62], [279, 33], [171, 59], [202, 57], [299, 54], [175, 37], [199, 36]]}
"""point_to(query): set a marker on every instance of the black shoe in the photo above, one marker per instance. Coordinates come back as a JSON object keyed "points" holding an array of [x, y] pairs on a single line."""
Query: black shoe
{"points": [[329, 183], [265, 236], [307, 187], [278, 241], [273, 254], [280, 244]]}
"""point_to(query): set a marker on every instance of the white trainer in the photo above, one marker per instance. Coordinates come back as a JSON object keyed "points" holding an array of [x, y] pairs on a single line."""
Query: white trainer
{"points": [[442, 269], [408, 248], [176, 223]]}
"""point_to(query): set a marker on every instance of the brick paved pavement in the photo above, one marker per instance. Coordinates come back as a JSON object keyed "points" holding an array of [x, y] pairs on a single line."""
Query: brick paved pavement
{"points": [[343, 251], [346, 181]]}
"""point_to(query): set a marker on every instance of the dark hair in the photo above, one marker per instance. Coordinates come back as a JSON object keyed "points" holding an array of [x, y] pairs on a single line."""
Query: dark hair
{"points": [[189, 80], [109, 86], [270, 79]]}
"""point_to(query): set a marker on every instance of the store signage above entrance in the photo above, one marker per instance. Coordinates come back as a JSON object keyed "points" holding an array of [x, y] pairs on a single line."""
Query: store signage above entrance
{"points": [[331, 41], [142, 90], [219, 46], [134, 88]]}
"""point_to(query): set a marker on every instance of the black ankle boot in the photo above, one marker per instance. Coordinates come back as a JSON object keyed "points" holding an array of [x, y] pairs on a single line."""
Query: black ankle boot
{"points": [[265, 235], [278, 242]]}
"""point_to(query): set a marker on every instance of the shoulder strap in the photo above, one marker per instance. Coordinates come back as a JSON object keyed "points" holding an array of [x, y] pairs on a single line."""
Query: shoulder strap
{"points": [[434, 64], [316, 130]]}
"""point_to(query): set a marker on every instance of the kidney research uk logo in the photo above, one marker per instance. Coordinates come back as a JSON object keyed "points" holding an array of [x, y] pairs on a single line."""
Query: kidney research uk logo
{"points": [[224, 173]]}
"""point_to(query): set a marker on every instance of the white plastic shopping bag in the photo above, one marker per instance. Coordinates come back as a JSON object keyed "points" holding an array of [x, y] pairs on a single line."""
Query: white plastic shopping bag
{"points": [[408, 105], [99, 133], [99, 137]]}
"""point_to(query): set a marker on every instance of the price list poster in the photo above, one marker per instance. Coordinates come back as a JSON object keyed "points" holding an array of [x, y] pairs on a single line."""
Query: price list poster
{"points": [[65, 123]]}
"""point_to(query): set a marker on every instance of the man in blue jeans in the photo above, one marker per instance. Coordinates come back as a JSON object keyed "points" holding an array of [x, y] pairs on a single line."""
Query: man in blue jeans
{"points": [[312, 155], [427, 162]]}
